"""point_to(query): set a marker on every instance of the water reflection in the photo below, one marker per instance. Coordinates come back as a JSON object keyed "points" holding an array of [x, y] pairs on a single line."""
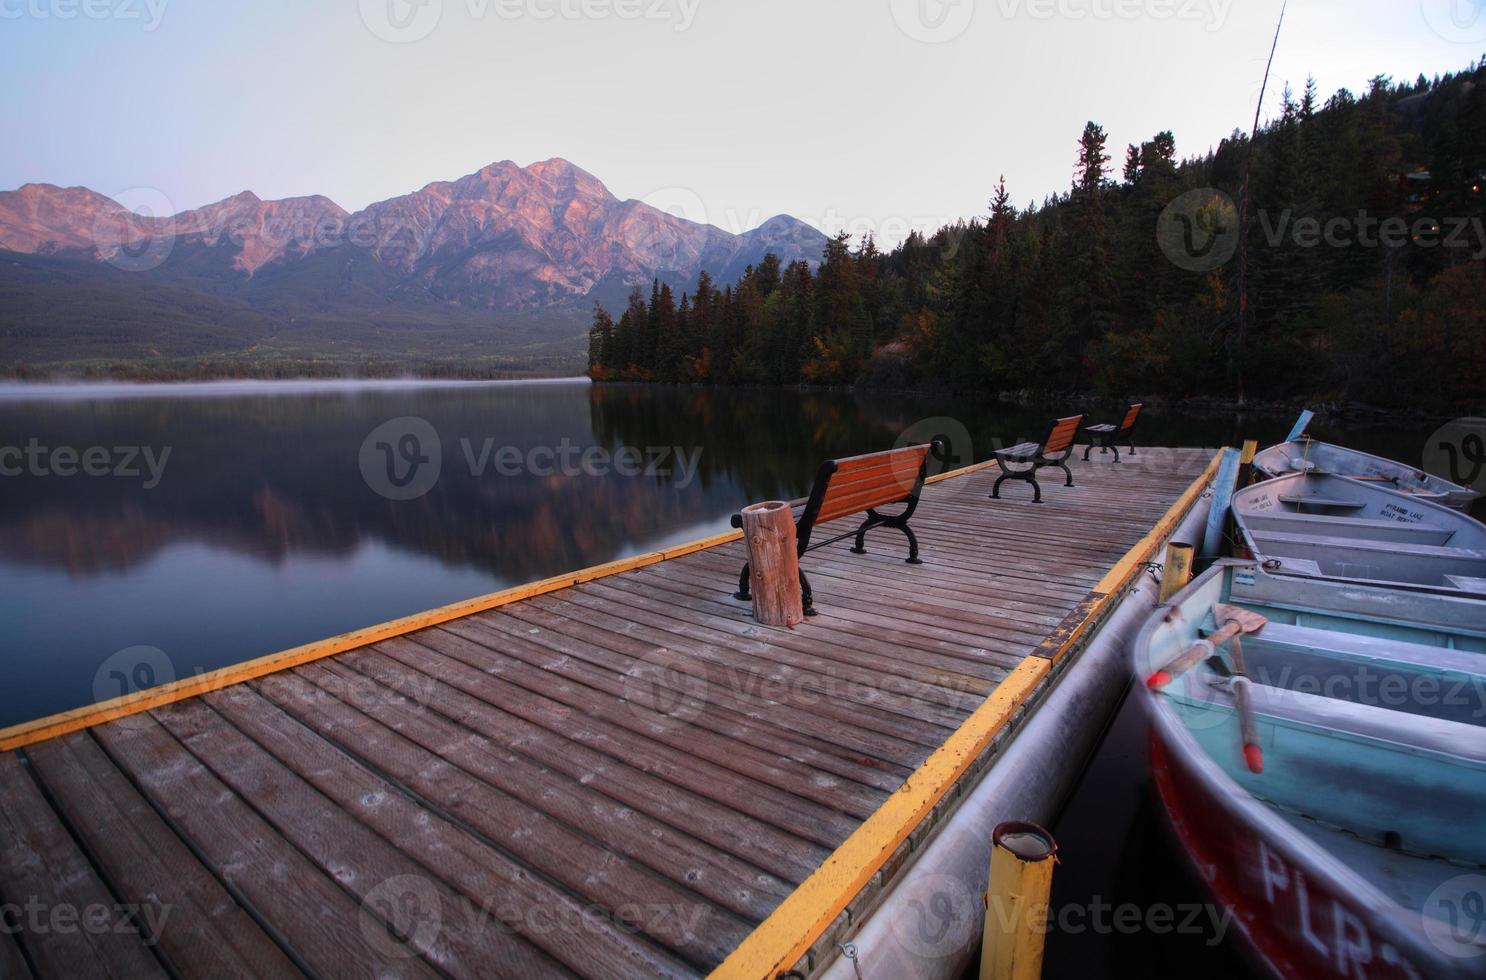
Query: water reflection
{"points": [[263, 531]]}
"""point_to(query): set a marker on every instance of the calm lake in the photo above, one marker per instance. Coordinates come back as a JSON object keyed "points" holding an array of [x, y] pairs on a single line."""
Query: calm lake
{"points": [[153, 532]]}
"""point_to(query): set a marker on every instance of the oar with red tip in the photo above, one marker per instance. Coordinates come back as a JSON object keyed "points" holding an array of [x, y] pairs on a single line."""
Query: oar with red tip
{"points": [[1248, 725], [1234, 622]]}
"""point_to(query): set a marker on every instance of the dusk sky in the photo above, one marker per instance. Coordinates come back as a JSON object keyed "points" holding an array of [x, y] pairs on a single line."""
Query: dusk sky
{"points": [[856, 113]]}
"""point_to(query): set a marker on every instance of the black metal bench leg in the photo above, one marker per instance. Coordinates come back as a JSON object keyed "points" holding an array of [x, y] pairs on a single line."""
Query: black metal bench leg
{"points": [[860, 548], [1088, 449], [743, 595], [1131, 444], [1005, 475], [913, 558], [1116, 451], [1064, 467], [807, 597]]}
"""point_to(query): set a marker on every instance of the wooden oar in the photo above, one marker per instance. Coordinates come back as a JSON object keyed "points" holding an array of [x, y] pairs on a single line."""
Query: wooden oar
{"points": [[1232, 621], [1235, 622], [1248, 725]]}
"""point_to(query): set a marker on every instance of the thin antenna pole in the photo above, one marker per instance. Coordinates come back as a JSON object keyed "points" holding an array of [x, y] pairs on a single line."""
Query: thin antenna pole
{"points": [[1243, 221]]}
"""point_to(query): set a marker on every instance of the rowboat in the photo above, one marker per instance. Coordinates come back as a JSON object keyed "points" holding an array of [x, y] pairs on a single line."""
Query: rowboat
{"points": [[1314, 525], [1325, 769], [1305, 455]]}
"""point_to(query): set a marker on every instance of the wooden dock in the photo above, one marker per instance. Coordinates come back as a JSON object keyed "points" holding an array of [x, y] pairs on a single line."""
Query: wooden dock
{"points": [[614, 773]]}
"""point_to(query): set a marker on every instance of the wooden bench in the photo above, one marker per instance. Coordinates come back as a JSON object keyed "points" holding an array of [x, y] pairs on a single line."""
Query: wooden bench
{"points": [[855, 485], [1107, 435], [1053, 449]]}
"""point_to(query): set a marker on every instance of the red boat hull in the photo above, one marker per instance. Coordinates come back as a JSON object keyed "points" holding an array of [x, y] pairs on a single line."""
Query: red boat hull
{"points": [[1296, 923]]}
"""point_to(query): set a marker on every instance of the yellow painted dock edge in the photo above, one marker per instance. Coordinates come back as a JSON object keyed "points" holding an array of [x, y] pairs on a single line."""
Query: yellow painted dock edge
{"points": [[41, 729], [793, 927], [31, 732]]}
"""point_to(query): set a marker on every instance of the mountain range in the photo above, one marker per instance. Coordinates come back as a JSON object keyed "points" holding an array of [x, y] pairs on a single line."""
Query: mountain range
{"points": [[520, 252]]}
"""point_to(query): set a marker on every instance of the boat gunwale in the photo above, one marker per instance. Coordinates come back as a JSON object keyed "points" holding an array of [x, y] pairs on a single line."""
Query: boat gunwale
{"points": [[1448, 490]]}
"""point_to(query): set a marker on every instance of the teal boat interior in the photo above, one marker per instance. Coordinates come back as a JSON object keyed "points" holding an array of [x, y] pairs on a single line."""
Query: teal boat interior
{"points": [[1370, 707]]}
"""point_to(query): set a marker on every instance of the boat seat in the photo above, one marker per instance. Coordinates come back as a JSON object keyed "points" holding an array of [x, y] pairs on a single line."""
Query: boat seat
{"points": [[1321, 543], [1380, 649], [1467, 583], [1322, 523], [1311, 501], [1372, 723]]}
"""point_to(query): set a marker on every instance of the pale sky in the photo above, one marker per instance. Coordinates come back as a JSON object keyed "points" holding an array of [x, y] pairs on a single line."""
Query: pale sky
{"points": [[856, 113]]}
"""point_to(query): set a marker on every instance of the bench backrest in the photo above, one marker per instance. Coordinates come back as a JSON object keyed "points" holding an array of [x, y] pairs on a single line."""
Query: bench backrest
{"points": [[1131, 414], [1061, 433], [857, 483]]}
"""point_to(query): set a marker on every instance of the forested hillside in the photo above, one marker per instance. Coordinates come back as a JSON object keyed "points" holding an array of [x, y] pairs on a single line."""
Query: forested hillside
{"points": [[1365, 278]]}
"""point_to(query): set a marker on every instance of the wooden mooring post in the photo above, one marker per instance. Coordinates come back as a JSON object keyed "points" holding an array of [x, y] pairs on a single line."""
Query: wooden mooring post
{"points": [[774, 563]]}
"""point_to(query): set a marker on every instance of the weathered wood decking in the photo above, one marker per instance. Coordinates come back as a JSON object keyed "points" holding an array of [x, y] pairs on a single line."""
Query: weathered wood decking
{"points": [[623, 777]]}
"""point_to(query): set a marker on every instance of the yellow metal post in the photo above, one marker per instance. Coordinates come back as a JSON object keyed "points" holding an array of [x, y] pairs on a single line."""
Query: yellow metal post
{"points": [[1246, 462], [1021, 881], [1177, 570]]}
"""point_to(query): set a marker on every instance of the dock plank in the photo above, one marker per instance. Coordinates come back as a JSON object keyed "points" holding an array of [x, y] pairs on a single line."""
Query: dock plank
{"points": [[322, 923], [150, 867], [70, 924]]}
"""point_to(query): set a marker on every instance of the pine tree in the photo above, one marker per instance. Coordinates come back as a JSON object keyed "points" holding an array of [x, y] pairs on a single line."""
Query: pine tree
{"points": [[600, 341]]}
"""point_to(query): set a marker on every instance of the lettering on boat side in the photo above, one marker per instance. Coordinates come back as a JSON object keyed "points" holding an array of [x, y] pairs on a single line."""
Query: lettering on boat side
{"points": [[1402, 514], [1319, 926]]}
